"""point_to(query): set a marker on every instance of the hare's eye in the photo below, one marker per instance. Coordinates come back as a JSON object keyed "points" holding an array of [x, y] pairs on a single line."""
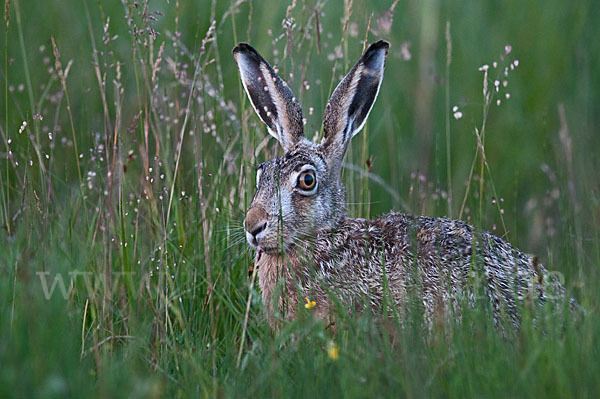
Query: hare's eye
{"points": [[307, 180]]}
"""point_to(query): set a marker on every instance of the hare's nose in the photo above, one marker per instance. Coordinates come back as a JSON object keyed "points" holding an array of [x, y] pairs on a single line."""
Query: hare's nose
{"points": [[256, 221], [256, 230]]}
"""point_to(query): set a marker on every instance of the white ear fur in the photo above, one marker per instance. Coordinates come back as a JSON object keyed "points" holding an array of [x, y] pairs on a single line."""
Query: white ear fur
{"points": [[352, 101], [270, 96]]}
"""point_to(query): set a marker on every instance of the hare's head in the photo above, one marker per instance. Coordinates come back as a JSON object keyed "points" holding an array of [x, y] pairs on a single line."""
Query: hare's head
{"points": [[301, 192]]}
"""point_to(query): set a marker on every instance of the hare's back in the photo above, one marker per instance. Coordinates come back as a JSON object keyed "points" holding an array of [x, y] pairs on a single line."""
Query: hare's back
{"points": [[442, 259]]}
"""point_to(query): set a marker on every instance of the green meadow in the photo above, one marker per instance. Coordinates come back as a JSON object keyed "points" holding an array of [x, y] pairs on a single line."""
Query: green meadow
{"points": [[127, 157]]}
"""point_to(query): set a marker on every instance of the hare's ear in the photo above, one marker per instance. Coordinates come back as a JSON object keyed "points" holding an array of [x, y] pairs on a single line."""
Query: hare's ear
{"points": [[352, 101], [270, 96]]}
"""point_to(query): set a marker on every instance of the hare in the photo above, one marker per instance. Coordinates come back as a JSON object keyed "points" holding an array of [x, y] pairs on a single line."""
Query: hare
{"points": [[306, 244]]}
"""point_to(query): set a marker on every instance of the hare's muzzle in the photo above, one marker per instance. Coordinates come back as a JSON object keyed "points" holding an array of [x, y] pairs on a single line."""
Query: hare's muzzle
{"points": [[255, 225]]}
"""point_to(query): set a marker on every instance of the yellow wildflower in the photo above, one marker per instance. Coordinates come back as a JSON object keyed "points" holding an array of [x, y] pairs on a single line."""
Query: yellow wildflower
{"points": [[332, 350], [309, 304]]}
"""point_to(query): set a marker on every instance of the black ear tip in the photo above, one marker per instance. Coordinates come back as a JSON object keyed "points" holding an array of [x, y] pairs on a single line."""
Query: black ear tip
{"points": [[244, 48], [379, 45], [376, 53], [239, 48]]}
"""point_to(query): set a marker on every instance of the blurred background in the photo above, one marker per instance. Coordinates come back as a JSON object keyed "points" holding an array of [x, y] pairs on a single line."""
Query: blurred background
{"points": [[128, 145]]}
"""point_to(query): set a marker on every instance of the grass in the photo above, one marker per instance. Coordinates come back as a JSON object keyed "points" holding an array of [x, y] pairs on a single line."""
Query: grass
{"points": [[126, 167]]}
